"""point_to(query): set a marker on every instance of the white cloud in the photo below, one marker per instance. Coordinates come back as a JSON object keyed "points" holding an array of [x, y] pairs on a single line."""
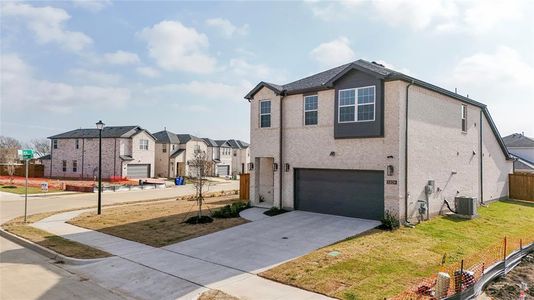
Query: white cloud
{"points": [[176, 47], [226, 28], [147, 72], [121, 58], [333, 10], [206, 90], [92, 5], [395, 68], [243, 68], [418, 14], [333, 53], [485, 15], [47, 23], [20, 89], [503, 80], [96, 77]]}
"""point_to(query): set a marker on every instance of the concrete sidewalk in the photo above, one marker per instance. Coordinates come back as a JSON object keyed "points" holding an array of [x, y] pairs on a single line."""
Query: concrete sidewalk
{"points": [[146, 272]]}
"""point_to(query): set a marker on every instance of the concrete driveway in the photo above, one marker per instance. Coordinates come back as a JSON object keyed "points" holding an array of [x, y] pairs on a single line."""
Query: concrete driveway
{"points": [[259, 245]]}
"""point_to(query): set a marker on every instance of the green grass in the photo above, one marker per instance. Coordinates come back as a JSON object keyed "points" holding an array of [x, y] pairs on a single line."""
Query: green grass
{"points": [[21, 190], [382, 264]]}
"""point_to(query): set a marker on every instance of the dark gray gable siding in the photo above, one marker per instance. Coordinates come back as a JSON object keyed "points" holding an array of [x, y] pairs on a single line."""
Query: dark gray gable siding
{"points": [[357, 79]]}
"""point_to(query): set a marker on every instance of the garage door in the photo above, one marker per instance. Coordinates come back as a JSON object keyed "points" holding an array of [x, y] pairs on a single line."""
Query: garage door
{"points": [[351, 193], [223, 170], [138, 171]]}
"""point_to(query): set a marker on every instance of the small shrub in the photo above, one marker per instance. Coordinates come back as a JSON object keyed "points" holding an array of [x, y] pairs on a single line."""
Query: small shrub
{"points": [[274, 211], [390, 221], [197, 220], [230, 210]]}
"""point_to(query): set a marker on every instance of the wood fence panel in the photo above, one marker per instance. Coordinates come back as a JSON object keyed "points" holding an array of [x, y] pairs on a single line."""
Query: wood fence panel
{"points": [[244, 186], [521, 186], [34, 170]]}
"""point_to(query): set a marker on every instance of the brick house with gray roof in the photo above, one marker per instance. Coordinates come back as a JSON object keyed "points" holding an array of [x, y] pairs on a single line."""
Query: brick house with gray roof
{"points": [[522, 148], [361, 139], [127, 152]]}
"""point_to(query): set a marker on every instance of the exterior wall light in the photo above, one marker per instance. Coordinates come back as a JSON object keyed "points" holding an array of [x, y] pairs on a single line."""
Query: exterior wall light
{"points": [[250, 166], [333, 153], [287, 167], [390, 170], [275, 167]]}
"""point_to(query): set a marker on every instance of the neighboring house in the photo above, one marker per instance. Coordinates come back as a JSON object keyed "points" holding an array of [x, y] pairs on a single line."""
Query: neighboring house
{"points": [[361, 139], [522, 148], [213, 153], [127, 151], [240, 156], [224, 168], [173, 151]]}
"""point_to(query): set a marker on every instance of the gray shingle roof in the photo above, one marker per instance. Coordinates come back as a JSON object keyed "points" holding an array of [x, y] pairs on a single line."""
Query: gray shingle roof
{"points": [[184, 138], [237, 144], [210, 142], [518, 140], [222, 143], [176, 152], [166, 137], [107, 132]]}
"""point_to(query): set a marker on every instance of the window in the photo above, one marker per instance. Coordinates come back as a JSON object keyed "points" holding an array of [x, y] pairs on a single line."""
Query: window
{"points": [[77, 142], [164, 148], [74, 166], [464, 118], [310, 110], [265, 114], [197, 148], [54, 144], [173, 147], [64, 164], [143, 144], [356, 105]]}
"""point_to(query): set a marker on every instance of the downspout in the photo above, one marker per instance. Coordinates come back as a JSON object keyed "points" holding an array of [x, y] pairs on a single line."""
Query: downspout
{"points": [[281, 151], [115, 159], [481, 162], [406, 157], [51, 156], [83, 155]]}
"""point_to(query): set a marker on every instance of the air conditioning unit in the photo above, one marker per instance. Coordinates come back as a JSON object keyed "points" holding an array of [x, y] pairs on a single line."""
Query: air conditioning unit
{"points": [[466, 207]]}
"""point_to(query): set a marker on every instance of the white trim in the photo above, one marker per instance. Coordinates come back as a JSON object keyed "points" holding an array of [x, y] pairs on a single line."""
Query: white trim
{"points": [[311, 110], [356, 104], [265, 114]]}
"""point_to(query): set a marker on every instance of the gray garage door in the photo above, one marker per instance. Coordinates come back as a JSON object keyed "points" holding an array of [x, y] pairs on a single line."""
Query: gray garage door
{"points": [[223, 170], [351, 193], [138, 171]]}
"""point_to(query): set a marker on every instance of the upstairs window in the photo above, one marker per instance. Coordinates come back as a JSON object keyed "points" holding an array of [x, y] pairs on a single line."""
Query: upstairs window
{"points": [[464, 118], [64, 165], [356, 105], [77, 142], [54, 144], [74, 166], [311, 104], [164, 148], [265, 114], [143, 144]]}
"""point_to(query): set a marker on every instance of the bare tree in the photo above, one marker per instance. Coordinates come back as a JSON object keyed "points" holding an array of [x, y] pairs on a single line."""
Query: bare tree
{"points": [[41, 146], [199, 168], [8, 154]]}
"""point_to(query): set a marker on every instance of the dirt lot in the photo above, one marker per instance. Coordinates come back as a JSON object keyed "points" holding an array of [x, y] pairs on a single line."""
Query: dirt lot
{"points": [[507, 288]]}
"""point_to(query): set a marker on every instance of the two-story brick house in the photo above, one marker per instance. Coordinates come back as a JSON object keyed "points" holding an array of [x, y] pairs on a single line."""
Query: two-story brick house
{"points": [[240, 156], [360, 139], [173, 151], [127, 152], [224, 167]]}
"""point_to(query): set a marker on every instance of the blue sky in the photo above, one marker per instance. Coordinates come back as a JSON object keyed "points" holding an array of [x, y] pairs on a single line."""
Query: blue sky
{"points": [[187, 65]]}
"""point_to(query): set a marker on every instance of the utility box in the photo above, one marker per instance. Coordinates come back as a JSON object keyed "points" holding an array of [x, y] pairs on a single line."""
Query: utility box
{"points": [[466, 207]]}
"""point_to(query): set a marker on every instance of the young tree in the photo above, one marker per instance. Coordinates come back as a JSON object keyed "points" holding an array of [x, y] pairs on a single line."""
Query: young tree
{"points": [[199, 168], [7, 142], [41, 146]]}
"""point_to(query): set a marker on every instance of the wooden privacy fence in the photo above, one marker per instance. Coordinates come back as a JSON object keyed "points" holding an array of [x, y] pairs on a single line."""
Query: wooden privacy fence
{"points": [[244, 186], [521, 186], [34, 170]]}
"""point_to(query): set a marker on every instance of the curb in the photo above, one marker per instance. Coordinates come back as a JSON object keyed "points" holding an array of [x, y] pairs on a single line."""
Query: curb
{"points": [[60, 258]]}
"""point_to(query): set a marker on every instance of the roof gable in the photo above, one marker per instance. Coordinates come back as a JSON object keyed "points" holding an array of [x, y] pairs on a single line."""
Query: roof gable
{"points": [[166, 137], [518, 140]]}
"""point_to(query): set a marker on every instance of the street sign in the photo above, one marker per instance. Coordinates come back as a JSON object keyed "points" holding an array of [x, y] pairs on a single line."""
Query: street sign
{"points": [[25, 154]]}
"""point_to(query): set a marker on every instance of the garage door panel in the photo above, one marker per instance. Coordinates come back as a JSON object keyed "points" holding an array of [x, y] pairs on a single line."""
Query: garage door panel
{"points": [[351, 193], [138, 171]]}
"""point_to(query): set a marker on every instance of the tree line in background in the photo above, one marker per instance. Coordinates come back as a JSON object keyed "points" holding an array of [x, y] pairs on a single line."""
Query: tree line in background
{"points": [[9, 147]]}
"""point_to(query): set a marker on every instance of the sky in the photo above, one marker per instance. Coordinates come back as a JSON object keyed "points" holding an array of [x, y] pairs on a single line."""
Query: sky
{"points": [[186, 66]]}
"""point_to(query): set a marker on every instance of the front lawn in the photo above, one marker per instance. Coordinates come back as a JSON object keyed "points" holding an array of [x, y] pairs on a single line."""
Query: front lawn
{"points": [[48, 240], [158, 224], [15, 189], [382, 264]]}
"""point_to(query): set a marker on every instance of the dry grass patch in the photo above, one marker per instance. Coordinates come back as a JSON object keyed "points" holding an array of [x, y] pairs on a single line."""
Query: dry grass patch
{"points": [[49, 240], [216, 295], [157, 224], [382, 264]]}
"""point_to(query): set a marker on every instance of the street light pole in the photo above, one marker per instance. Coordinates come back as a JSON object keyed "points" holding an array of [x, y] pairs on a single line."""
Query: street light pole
{"points": [[100, 126]]}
